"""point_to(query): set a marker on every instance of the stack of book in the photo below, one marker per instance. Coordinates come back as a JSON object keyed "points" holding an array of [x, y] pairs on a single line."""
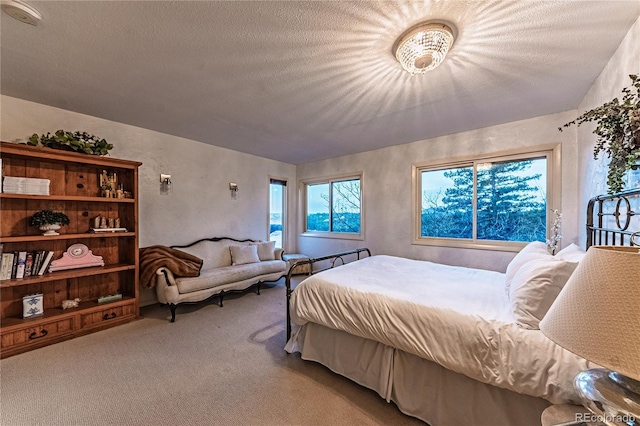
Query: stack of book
{"points": [[23, 264], [23, 185]]}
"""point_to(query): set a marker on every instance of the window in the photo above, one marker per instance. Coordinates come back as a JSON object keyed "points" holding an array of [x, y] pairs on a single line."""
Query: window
{"points": [[277, 209], [334, 206], [490, 202]]}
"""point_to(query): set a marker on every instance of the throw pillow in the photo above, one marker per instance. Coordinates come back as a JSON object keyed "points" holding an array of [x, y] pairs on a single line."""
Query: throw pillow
{"points": [[571, 253], [266, 250], [241, 255], [533, 250], [535, 287]]}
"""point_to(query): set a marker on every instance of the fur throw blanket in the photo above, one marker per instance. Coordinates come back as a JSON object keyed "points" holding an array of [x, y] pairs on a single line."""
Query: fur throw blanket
{"points": [[181, 264]]}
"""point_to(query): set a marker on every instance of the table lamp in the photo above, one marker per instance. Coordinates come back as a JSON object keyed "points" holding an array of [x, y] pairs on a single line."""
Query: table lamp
{"points": [[597, 317]]}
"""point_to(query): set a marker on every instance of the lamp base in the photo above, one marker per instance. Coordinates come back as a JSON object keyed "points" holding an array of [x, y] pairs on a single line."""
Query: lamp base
{"points": [[613, 398]]}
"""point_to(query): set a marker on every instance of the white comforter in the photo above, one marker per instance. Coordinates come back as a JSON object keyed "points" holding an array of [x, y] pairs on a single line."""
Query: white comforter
{"points": [[457, 317]]}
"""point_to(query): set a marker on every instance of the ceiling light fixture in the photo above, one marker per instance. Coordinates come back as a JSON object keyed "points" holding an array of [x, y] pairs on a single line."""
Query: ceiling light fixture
{"points": [[423, 47], [21, 11]]}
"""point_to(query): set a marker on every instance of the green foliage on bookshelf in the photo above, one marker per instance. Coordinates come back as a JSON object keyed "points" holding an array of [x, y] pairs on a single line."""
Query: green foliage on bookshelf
{"points": [[72, 141]]}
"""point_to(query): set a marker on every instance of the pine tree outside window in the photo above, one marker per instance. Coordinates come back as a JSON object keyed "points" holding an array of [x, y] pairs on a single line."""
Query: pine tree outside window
{"points": [[498, 202]]}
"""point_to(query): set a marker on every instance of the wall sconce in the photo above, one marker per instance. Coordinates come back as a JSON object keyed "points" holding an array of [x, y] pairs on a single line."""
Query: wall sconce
{"points": [[233, 187], [166, 186]]}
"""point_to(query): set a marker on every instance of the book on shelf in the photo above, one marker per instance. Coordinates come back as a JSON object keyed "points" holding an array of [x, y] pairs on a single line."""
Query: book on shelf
{"points": [[24, 185], [45, 263], [37, 258], [28, 264], [43, 255], [7, 265], [22, 259], [14, 267], [110, 298]]}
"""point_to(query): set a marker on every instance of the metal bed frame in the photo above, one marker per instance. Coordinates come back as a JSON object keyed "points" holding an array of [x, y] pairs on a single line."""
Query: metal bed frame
{"points": [[619, 206], [332, 259]]}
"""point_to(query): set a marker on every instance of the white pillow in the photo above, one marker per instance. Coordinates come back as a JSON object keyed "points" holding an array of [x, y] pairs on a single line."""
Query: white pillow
{"points": [[533, 250], [571, 253], [534, 288], [241, 255], [266, 250]]}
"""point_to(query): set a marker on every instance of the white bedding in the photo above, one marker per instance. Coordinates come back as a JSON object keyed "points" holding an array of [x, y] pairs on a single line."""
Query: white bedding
{"points": [[457, 317]]}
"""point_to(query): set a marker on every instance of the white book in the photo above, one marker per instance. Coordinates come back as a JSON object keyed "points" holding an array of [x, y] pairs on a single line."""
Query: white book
{"points": [[23, 185], [7, 265], [22, 260]]}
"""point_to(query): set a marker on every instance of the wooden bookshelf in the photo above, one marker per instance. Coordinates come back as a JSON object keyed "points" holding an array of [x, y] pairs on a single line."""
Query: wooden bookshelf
{"points": [[74, 190]]}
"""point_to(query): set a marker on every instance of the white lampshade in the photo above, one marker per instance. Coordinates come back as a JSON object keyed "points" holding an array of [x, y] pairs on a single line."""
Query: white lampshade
{"points": [[597, 313]]}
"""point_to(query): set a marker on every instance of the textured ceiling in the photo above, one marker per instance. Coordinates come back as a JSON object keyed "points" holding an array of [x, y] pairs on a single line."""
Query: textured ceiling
{"points": [[299, 81]]}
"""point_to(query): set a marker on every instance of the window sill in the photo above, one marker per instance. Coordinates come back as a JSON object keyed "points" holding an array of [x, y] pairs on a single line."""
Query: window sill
{"points": [[510, 246], [333, 235]]}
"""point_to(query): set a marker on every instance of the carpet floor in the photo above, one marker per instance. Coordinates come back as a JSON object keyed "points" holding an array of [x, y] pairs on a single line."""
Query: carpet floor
{"points": [[213, 366]]}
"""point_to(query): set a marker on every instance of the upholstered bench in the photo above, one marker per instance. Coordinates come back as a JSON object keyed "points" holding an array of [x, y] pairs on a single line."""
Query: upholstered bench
{"points": [[229, 265]]}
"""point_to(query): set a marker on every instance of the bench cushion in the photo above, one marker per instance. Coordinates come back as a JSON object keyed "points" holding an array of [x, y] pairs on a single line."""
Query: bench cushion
{"points": [[228, 274]]}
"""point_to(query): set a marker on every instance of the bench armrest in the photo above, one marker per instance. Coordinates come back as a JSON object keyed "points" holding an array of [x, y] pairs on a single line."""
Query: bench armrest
{"points": [[165, 276], [166, 288], [278, 253]]}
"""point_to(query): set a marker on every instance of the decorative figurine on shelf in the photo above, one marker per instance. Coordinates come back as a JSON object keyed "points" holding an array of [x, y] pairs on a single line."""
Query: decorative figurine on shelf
{"points": [[32, 305], [70, 303], [104, 224], [108, 184]]}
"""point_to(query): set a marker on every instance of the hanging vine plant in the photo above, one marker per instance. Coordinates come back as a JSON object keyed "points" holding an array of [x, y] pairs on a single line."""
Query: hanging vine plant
{"points": [[618, 132], [72, 141]]}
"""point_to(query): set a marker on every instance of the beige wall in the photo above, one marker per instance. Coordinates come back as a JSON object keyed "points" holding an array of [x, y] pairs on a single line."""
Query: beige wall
{"points": [[387, 188], [200, 205], [609, 85]]}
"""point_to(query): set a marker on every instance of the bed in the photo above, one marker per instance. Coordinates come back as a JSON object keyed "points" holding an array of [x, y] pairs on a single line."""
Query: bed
{"points": [[457, 347]]}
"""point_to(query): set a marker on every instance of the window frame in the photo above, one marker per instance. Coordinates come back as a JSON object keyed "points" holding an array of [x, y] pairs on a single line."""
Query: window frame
{"points": [[285, 203], [330, 180], [552, 153]]}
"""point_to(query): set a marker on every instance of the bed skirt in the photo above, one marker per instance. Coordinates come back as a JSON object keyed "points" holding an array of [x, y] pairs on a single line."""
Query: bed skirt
{"points": [[419, 388]]}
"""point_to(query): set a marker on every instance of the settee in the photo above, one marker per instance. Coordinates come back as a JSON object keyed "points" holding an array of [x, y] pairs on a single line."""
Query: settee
{"points": [[228, 266]]}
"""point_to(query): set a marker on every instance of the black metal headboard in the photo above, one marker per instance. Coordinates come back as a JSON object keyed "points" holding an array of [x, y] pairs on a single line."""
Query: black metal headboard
{"points": [[614, 219]]}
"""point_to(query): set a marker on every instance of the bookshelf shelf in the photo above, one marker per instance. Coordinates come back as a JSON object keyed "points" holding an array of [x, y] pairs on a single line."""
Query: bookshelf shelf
{"points": [[13, 323], [74, 188], [33, 238], [65, 275], [8, 196]]}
